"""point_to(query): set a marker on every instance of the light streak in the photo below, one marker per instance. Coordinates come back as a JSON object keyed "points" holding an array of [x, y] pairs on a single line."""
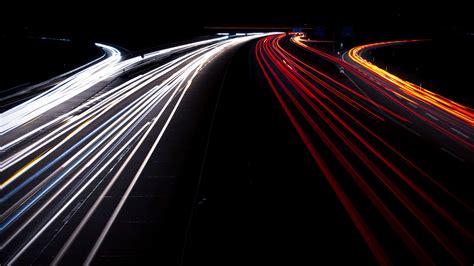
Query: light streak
{"points": [[94, 135], [324, 110], [411, 90]]}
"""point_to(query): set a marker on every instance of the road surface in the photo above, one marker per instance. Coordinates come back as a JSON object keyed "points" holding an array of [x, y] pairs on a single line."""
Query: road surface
{"points": [[72, 156], [375, 139], [241, 151]]}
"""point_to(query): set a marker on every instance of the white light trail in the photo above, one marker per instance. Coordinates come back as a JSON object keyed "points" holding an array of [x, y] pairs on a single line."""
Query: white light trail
{"points": [[88, 136]]}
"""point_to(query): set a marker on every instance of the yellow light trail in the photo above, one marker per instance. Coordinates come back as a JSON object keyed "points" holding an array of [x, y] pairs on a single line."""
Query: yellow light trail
{"points": [[23, 169], [428, 97], [39, 157]]}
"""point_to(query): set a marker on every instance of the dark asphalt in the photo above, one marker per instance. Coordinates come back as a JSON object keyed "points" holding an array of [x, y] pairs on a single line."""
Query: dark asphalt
{"points": [[262, 200], [231, 183], [152, 225], [156, 214]]}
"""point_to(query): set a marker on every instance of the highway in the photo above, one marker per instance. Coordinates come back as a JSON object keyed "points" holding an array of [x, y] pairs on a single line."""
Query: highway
{"points": [[396, 155], [431, 115], [72, 155], [247, 149]]}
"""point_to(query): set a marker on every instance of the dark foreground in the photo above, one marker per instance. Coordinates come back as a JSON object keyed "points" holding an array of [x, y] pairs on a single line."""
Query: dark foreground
{"points": [[233, 183]]}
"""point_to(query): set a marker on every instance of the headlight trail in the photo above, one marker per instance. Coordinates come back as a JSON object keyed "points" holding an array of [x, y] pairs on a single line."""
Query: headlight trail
{"points": [[77, 153], [73, 86], [77, 116], [60, 93], [341, 129]]}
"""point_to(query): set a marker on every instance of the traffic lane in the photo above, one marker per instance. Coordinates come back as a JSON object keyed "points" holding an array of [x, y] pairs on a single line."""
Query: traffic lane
{"points": [[129, 67], [387, 127], [50, 241], [90, 127], [455, 134], [432, 111], [454, 140], [410, 90], [215, 52], [415, 140], [145, 89], [289, 93], [262, 199], [448, 133], [154, 219], [43, 246], [113, 111]]}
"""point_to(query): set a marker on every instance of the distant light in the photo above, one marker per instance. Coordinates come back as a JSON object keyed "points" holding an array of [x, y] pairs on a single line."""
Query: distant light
{"points": [[240, 34], [55, 39], [223, 34], [297, 29], [254, 33]]}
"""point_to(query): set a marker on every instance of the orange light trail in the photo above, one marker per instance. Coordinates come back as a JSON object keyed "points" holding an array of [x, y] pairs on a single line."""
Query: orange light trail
{"points": [[460, 111], [339, 127], [394, 89]]}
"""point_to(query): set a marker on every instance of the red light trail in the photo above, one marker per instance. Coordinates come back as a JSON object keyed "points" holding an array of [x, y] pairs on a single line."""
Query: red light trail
{"points": [[333, 118]]}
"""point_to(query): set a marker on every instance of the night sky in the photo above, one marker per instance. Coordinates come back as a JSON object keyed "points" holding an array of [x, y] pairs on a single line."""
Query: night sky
{"points": [[146, 22]]}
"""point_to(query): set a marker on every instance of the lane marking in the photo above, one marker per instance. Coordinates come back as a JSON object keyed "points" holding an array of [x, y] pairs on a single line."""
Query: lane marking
{"points": [[460, 133], [431, 116], [452, 154]]}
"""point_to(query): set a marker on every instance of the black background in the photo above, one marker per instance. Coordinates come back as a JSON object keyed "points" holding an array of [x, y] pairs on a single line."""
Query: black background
{"points": [[142, 24]]}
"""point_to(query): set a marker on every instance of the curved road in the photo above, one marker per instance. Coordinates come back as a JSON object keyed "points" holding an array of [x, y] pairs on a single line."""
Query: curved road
{"points": [[72, 156]]}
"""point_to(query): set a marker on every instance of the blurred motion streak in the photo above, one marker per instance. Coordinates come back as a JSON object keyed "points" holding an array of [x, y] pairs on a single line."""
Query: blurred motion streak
{"points": [[335, 123], [410, 89], [51, 171]]}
